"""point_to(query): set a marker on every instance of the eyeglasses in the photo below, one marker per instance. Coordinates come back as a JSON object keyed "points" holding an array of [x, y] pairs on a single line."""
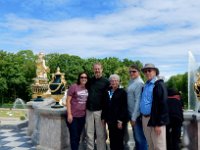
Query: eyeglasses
{"points": [[132, 71], [148, 70], [83, 77]]}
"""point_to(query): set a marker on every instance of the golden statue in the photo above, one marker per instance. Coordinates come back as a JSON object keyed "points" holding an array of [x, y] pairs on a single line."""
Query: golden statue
{"points": [[42, 69], [197, 86], [40, 85]]}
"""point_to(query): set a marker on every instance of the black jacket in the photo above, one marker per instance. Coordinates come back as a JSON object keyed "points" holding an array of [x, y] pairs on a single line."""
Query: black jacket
{"points": [[175, 109], [115, 108], [97, 89], [159, 112]]}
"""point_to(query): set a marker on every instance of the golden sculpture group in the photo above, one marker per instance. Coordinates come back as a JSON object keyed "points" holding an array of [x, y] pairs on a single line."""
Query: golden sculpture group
{"points": [[197, 86], [40, 85], [41, 88]]}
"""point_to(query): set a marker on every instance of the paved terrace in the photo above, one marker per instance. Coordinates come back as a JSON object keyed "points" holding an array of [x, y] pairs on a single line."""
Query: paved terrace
{"points": [[13, 136]]}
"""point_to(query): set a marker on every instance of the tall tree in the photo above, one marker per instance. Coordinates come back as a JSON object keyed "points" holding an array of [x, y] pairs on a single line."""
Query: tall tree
{"points": [[18, 70], [180, 83]]}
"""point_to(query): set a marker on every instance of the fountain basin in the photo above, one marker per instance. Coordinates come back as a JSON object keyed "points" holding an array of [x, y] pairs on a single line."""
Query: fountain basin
{"points": [[13, 118]]}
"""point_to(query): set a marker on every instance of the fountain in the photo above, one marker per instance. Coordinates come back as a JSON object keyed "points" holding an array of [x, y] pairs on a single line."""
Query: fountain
{"points": [[192, 78], [191, 124], [19, 104], [15, 117]]}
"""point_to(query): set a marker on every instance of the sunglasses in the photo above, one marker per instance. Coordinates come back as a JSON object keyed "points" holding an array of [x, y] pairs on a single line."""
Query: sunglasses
{"points": [[148, 70], [83, 77], [132, 71]]}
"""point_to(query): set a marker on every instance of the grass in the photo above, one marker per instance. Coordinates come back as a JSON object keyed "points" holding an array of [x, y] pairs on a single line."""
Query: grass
{"points": [[6, 106], [12, 113]]}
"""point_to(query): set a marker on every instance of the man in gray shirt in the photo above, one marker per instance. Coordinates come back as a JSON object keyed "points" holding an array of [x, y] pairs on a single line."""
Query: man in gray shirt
{"points": [[134, 95]]}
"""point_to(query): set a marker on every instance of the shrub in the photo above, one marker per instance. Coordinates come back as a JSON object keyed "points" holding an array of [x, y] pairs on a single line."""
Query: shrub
{"points": [[22, 117]]}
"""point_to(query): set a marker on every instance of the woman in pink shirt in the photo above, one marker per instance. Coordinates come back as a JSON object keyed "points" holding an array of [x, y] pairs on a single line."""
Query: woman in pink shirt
{"points": [[76, 109]]}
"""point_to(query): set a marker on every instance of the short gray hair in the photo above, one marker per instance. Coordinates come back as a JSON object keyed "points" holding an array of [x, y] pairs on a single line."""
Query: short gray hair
{"points": [[114, 76]]}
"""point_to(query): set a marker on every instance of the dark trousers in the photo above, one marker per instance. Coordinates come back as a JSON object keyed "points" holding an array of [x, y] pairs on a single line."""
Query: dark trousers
{"points": [[75, 130], [116, 136], [173, 133], [140, 140]]}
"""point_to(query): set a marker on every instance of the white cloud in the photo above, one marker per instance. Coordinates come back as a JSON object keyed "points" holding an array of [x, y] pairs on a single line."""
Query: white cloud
{"points": [[151, 30]]}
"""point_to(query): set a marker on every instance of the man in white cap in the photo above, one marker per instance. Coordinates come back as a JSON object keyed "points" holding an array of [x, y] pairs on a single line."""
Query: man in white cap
{"points": [[154, 110]]}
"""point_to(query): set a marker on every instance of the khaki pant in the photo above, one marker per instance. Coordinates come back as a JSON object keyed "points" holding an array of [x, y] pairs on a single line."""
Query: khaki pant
{"points": [[155, 142], [94, 125]]}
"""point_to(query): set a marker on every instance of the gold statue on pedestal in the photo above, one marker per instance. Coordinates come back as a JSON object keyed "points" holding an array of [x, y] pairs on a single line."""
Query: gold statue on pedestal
{"points": [[40, 85], [197, 91], [197, 86]]}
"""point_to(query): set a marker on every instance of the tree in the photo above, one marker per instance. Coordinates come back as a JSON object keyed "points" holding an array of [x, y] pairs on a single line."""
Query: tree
{"points": [[18, 70], [180, 83], [124, 76], [70, 65]]}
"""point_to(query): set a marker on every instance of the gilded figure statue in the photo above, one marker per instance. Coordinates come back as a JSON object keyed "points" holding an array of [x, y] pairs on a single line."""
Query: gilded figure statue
{"points": [[42, 69], [197, 86]]}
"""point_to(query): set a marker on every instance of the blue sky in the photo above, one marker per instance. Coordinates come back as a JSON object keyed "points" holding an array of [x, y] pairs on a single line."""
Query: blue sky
{"points": [[152, 31]]}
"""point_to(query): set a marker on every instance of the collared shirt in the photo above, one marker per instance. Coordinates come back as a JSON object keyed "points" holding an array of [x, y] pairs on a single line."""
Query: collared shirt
{"points": [[134, 96], [97, 89], [147, 97], [110, 93]]}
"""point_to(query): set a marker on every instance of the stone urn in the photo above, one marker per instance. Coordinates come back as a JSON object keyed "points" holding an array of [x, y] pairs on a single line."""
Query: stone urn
{"points": [[57, 87]]}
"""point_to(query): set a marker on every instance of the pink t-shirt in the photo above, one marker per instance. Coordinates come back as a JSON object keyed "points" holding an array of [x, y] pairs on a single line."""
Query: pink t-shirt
{"points": [[78, 102]]}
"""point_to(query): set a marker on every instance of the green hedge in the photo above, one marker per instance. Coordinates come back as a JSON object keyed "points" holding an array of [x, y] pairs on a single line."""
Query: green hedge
{"points": [[11, 106]]}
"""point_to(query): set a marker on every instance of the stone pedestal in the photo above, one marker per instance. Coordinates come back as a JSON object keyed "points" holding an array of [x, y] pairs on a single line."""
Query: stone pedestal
{"points": [[191, 129], [30, 118], [34, 118], [54, 134]]}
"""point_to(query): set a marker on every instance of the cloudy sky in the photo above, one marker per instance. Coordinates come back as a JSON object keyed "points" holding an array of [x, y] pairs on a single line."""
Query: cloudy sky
{"points": [[156, 31]]}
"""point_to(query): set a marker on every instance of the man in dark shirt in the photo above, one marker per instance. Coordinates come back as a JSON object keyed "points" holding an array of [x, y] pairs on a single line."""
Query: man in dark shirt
{"points": [[98, 86]]}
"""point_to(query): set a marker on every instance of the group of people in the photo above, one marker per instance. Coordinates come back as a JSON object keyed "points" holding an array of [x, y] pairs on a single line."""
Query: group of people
{"points": [[96, 102]]}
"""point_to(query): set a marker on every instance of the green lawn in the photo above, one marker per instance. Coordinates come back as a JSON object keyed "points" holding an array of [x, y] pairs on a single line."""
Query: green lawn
{"points": [[7, 113]]}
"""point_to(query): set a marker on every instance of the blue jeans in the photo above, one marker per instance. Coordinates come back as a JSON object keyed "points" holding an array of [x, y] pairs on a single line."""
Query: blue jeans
{"points": [[138, 134], [75, 130]]}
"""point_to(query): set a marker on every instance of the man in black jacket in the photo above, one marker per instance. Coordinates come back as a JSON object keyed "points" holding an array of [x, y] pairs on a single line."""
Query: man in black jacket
{"points": [[97, 89], [154, 109]]}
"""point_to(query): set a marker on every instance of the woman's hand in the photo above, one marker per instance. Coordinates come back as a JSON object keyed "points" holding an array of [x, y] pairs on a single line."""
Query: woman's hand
{"points": [[69, 118]]}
